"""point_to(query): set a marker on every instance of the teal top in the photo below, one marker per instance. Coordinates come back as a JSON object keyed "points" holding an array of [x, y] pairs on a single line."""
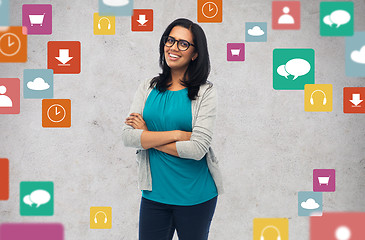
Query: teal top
{"points": [[175, 180]]}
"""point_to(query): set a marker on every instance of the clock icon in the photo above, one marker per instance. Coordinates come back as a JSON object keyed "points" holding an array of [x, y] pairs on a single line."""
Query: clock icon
{"points": [[9, 44], [210, 10], [56, 113]]}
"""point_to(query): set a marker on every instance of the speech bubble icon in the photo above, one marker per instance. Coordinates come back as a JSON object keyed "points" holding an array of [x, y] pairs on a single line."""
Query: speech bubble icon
{"points": [[297, 67], [327, 20], [27, 200], [340, 17], [281, 71], [40, 197]]}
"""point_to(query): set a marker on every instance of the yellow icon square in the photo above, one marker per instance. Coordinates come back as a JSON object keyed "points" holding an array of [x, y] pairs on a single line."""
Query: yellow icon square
{"points": [[270, 228], [318, 97], [104, 25], [100, 217]]}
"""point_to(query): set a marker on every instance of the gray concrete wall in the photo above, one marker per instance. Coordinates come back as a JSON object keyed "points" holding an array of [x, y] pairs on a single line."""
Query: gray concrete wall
{"points": [[267, 145]]}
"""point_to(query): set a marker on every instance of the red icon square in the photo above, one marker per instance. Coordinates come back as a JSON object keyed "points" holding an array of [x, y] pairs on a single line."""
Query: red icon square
{"points": [[353, 100], [64, 56], [4, 179], [142, 20], [285, 15], [9, 95]]}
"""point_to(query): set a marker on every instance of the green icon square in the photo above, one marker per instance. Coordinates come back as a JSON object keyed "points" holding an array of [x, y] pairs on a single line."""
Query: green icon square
{"points": [[293, 68], [36, 198], [336, 18]]}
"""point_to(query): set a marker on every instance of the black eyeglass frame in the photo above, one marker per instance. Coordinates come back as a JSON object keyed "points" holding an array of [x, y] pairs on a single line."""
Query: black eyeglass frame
{"points": [[165, 38]]}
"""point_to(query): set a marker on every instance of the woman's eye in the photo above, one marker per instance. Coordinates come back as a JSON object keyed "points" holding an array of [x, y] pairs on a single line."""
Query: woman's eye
{"points": [[184, 44]]}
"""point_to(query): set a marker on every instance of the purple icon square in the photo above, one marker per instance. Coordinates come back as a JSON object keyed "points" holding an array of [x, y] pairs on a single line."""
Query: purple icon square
{"points": [[324, 180], [235, 52], [37, 18], [31, 231]]}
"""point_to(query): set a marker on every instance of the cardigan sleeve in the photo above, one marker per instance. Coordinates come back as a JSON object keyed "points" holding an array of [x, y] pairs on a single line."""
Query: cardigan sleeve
{"points": [[132, 137], [202, 131]]}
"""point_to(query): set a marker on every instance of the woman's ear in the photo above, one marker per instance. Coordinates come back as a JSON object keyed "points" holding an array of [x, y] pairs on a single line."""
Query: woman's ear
{"points": [[194, 57]]}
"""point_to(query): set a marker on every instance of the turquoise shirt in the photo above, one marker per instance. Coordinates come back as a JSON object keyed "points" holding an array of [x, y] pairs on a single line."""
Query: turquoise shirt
{"points": [[175, 180]]}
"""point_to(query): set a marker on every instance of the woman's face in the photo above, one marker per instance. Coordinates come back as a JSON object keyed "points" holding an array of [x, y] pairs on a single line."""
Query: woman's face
{"points": [[175, 58]]}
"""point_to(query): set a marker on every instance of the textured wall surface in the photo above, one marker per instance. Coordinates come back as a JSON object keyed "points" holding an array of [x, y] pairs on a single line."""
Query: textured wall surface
{"points": [[267, 145]]}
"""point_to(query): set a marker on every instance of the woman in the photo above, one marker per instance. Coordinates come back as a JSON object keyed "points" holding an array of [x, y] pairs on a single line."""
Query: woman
{"points": [[171, 124]]}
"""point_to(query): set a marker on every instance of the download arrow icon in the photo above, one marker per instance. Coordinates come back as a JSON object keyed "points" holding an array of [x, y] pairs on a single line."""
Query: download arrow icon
{"points": [[64, 57], [356, 99], [142, 20]]}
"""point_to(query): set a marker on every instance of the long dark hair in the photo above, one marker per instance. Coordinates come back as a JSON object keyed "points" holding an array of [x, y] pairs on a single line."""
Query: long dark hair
{"points": [[198, 70]]}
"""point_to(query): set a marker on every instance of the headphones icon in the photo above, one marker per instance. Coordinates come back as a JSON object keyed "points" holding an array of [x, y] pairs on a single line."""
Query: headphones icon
{"points": [[109, 25], [270, 226], [96, 221], [324, 99]]}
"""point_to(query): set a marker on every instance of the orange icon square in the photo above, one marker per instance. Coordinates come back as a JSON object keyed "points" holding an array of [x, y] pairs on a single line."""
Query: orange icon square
{"points": [[142, 20], [353, 100], [64, 57], [56, 113], [4, 179], [13, 44], [210, 11]]}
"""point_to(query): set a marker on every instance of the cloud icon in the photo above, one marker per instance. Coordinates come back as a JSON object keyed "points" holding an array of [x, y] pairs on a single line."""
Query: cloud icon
{"points": [[309, 204], [255, 31], [359, 56], [296, 67], [38, 84], [339, 17], [38, 197]]}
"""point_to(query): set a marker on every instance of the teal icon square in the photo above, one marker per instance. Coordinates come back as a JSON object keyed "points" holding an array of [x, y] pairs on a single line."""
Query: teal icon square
{"points": [[256, 31], [336, 18], [293, 68], [36, 198], [355, 55], [4, 12], [38, 83], [310, 203], [115, 7]]}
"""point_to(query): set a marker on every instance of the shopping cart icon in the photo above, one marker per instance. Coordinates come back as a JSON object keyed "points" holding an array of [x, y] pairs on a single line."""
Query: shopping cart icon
{"points": [[235, 52], [323, 180], [36, 19]]}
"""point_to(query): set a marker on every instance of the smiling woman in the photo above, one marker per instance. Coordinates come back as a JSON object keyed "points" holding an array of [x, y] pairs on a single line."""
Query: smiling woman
{"points": [[171, 124]]}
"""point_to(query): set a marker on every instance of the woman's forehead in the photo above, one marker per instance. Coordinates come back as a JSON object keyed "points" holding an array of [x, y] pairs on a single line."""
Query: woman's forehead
{"points": [[179, 32]]}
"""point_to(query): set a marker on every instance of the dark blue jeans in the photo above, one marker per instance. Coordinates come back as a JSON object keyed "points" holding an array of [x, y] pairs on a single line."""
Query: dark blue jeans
{"points": [[158, 221]]}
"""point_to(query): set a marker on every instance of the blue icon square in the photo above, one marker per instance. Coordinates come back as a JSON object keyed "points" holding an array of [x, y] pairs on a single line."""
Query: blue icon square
{"points": [[115, 7], [256, 32], [38, 83], [310, 203], [4, 12], [355, 55]]}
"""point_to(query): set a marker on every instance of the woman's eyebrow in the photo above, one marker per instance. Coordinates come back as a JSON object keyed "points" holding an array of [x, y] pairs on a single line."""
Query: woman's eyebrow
{"points": [[178, 39]]}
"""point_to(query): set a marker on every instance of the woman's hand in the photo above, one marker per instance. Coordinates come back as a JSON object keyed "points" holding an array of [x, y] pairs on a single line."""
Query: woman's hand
{"points": [[136, 121], [183, 136]]}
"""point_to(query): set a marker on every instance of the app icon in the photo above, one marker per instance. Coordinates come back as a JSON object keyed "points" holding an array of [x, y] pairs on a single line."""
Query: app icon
{"points": [[324, 180], [355, 55], [142, 20], [4, 179], [338, 226], [4, 12], [318, 97], [9, 95], [104, 25], [64, 56], [37, 18], [38, 83], [256, 32], [292, 68], [36, 198], [270, 228], [336, 18], [13, 44], [285, 15], [210, 11], [115, 7], [310, 203], [100, 217], [353, 100], [31, 231], [56, 113], [235, 52]]}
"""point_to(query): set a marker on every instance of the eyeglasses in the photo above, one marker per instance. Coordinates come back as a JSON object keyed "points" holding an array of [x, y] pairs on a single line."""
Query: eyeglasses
{"points": [[182, 45]]}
